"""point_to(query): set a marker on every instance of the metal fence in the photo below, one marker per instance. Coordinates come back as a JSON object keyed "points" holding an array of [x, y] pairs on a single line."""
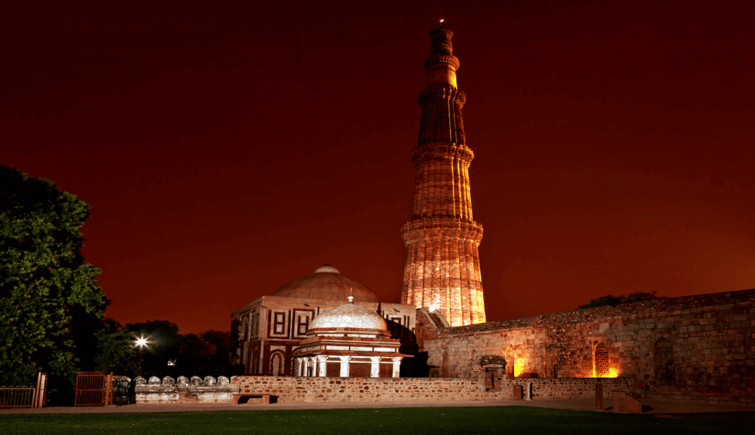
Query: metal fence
{"points": [[25, 397], [93, 389], [17, 397]]}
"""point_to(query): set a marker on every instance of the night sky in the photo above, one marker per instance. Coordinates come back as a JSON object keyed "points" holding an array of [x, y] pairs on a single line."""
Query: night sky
{"points": [[228, 148]]}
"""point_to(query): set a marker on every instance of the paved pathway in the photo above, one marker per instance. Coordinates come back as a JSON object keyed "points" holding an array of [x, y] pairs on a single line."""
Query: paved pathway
{"points": [[650, 406]]}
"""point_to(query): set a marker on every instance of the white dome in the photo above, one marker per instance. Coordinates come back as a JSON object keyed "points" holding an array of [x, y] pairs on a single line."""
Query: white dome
{"points": [[349, 316]]}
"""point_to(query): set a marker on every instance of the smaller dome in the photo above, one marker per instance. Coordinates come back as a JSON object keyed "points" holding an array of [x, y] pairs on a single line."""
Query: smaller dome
{"points": [[326, 269], [349, 316]]}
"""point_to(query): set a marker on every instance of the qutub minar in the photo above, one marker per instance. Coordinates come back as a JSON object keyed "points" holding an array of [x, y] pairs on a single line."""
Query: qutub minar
{"points": [[307, 342], [442, 269]]}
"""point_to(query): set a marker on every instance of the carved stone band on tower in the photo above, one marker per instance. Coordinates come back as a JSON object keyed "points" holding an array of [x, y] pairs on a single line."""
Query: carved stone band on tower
{"points": [[442, 269]]}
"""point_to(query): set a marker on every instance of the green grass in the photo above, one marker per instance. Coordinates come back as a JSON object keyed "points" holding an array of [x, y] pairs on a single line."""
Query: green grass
{"points": [[376, 421]]}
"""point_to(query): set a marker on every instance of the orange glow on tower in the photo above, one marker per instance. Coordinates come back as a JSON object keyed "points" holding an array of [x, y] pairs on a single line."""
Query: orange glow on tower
{"points": [[442, 266]]}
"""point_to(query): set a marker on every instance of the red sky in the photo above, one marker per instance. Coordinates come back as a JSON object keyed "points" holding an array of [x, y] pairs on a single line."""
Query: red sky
{"points": [[228, 148]]}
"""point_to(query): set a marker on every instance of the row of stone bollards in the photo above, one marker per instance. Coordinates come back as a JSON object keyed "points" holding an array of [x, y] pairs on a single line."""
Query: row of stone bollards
{"points": [[183, 381]]}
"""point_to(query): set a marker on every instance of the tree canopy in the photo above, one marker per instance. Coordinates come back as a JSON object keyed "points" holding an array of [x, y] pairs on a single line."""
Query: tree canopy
{"points": [[174, 354], [47, 293], [613, 301]]}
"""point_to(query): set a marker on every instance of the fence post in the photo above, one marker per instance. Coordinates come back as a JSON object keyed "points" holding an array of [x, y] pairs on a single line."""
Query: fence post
{"points": [[109, 389], [40, 392]]}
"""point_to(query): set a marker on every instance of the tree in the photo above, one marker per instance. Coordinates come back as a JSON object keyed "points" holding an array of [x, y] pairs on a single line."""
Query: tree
{"points": [[206, 353], [45, 287], [195, 351], [616, 300], [159, 356], [115, 352]]}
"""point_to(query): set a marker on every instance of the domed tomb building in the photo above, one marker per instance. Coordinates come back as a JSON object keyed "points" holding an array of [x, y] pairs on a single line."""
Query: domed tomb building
{"points": [[267, 330], [348, 341]]}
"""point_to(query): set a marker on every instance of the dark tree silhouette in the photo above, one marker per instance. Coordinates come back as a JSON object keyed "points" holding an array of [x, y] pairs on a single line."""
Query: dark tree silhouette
{"points": [[50, 301], [613, 301]]}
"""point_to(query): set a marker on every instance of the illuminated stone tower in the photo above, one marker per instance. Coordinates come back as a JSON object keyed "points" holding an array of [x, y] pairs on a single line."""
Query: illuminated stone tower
{"points": [[442, 269]]}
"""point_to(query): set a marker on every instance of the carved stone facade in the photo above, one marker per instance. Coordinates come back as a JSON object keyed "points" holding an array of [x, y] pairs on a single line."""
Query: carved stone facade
{"points": [[442, 269], [348, 341], [266, 331]]}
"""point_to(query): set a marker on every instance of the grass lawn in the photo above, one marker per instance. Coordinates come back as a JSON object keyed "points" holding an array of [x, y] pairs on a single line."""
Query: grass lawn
{"points": [[436, 421]]}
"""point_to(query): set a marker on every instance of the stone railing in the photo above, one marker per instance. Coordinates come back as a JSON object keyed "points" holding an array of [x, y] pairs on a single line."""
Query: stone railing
{"points": [[184, 390]]}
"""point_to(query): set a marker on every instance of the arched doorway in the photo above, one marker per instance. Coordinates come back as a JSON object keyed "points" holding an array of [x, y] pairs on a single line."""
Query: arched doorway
{"points": [[600, 365], [551, 361], [276, 364], [664, 363]]}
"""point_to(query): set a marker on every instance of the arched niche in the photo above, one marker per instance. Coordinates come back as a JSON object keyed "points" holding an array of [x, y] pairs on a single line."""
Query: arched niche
{"points": [[277, 360], [551, 361], [663, 361], [600, 362]]}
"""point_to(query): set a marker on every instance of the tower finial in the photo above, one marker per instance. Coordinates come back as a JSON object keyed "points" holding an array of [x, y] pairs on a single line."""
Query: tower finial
{"points": [[441, 66], [351, 295]]}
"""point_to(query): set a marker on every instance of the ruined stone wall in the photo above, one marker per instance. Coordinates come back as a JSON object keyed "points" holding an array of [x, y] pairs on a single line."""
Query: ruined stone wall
{"points": [[288, 389], [292, 390], [699, 347]]}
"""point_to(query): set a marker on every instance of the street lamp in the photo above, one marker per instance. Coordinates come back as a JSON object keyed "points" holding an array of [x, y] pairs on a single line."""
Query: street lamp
{"points": [[141, 342]]}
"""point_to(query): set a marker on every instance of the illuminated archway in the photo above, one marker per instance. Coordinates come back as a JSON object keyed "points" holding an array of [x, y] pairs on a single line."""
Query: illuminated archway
{"points": [[600, 363]]}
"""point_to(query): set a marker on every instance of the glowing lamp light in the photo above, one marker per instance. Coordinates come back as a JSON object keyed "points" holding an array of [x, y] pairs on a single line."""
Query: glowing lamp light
{"points": [[433, 307], [141, 342]]}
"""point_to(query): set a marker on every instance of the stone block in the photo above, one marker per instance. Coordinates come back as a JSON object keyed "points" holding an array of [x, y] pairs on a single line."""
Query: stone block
{"points": [[634, 406], [619, 399]]}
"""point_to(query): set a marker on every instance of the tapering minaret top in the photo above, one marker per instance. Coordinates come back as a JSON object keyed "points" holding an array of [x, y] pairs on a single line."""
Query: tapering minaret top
{"points": [[441, 66]]}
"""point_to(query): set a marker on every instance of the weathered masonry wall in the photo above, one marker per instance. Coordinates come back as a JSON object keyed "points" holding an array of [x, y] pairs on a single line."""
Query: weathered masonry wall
{"points": [[291, 390], [314, 390], [696, 347]]}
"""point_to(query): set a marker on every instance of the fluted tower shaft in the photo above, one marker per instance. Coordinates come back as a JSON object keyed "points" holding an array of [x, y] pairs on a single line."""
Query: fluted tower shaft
{"points": [[442, 269]]}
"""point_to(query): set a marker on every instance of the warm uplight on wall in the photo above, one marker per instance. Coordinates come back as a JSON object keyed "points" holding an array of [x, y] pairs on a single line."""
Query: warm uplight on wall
{"points": [[519, 367], [612, 373]]}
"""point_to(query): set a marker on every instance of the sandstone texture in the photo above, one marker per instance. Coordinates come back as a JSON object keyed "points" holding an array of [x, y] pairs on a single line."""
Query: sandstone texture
{"points": [[442, 268], [695, 347]]}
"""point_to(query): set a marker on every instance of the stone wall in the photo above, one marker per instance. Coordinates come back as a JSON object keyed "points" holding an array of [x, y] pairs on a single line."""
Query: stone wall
{"points": [[288, 389], [294, 389], [695, 347]]}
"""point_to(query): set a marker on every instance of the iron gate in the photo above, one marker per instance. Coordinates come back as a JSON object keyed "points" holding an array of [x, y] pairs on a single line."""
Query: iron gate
{"points": [[93, 389]]}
